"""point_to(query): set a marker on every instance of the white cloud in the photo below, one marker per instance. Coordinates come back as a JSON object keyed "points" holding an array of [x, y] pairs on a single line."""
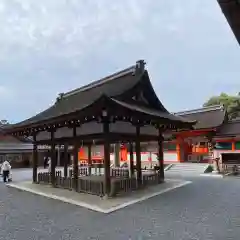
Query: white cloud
{"points": [[45, 26]]}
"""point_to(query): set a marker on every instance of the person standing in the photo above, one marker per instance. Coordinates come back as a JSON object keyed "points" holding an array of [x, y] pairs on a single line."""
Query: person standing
{"points": [[49, 164], [45, 162], [6, 167]]}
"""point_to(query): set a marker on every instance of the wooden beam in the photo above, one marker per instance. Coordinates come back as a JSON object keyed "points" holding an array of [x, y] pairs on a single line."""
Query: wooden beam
{"points": [[99, 138]]}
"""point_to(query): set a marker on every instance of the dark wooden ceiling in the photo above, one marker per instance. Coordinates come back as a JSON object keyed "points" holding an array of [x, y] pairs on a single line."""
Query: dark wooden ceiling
{"points": [[231, 10]]}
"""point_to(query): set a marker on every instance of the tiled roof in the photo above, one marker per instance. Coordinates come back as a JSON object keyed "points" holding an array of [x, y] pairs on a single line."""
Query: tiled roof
{"points": [[231, 128], [120, 87], [153, 112], [207, 117], [79, 98], [21, 139], [231, 10]]}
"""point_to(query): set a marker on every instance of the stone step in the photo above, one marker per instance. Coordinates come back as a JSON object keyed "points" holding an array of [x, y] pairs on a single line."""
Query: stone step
{"points": [[188, 168]]}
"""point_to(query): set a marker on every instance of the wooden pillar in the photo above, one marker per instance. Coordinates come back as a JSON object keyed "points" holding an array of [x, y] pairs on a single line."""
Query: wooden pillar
{"points": [[75, 159], [53, 159], [180, 150], [131, 159], [65, 160], [107, 177], [117, 155], [210, 146], [138, 155], [35, 160], [160, 154], [58, 155], [89, 160]]}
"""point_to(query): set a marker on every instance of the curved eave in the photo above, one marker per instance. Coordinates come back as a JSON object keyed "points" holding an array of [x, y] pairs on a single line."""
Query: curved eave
{"points": [[156, 115], [231, 10], [114, 107], [159, 104]]}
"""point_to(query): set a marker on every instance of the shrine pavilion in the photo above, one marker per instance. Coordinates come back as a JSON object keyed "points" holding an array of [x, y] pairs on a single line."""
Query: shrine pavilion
{"points": [[121, 108]]}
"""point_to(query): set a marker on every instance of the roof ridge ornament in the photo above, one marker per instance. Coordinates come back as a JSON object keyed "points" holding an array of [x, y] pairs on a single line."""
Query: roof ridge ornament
{"points": [[59, 97], [140, 67]]}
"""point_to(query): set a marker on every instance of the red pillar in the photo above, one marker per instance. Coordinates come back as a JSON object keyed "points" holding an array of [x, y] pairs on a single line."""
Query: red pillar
{"points": [[233, 145], [180, 149]]}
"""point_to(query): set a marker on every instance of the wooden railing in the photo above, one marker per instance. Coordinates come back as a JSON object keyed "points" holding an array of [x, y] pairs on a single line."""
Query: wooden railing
{"points": [[151, 179], [91, 187], [115, 172], [230, 168], [44, 177], [119, 186], [120, 172], [120, 182], [86, 186]]}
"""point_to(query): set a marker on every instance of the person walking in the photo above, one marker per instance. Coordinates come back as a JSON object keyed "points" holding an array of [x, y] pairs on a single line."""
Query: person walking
{"points": [[6, 167]]}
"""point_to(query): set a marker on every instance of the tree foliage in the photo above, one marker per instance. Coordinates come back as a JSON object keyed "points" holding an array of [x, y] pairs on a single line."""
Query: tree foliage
{"points": [[230, 102]]}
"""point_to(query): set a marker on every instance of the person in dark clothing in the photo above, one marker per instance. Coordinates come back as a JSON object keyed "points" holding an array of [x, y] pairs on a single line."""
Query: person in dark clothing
{"points": [[5, 175]]}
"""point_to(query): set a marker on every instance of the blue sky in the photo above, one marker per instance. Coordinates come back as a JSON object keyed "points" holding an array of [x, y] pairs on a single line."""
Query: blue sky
{"points": [[53, 46]]}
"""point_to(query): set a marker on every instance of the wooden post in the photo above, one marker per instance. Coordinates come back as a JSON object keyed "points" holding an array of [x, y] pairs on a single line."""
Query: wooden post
{"points": [[117, 155], [65, 160], [58, 155], [35, 159], [210, 146], [53, 159], [160, 154], [138, 155], [131, 159], [75, 159], [89, 160], [107, 177]]}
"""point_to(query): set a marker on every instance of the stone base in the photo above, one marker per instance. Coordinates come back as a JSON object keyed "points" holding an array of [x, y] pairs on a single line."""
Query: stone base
{"points": [[215, 175], [96, 203]]}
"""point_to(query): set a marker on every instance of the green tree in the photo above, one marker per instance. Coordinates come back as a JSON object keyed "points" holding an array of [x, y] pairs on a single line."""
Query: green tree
{"points": [[230, 102]]}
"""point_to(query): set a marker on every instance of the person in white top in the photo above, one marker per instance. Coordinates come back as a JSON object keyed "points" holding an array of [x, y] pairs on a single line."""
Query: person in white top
{"points": [[49, 165], [6, 167]]}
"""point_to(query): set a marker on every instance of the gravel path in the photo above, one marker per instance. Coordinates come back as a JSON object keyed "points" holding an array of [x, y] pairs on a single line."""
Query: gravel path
{"points": [[206, 209]]}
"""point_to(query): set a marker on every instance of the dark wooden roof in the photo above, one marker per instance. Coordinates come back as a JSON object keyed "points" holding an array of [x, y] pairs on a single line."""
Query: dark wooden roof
{"points": [[231, 10], [207, 117], [230, 129], [130, 88], [9, 138]]}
